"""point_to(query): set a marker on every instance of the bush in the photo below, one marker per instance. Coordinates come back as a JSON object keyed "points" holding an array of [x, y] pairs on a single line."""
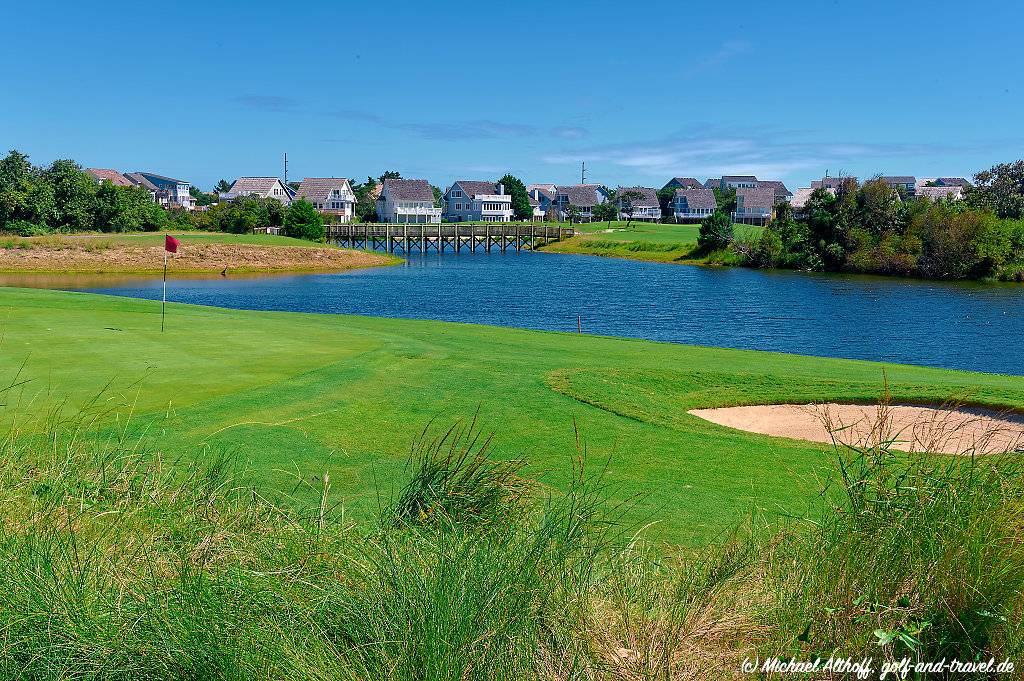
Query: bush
{"points": [[715, 232], [302, 221], [26, 228]]}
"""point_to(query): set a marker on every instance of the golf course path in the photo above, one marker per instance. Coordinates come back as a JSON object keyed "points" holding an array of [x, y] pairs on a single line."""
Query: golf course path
{"points": [[904, 427]]}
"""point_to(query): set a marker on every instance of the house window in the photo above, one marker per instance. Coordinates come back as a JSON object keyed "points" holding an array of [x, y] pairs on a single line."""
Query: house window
{"points": [[456, 193]]}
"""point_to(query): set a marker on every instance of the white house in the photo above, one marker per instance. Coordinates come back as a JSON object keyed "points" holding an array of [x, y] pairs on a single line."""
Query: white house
{"points": [[331, 195], [167, 192], [754, 205], [584, 197], [692, 204], [644, 202], [475, 201], [738, 182], [266, 187], [407, 201]]}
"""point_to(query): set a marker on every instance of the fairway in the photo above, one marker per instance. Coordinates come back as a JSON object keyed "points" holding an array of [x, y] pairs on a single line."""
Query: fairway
{"points": [[294, 396]]}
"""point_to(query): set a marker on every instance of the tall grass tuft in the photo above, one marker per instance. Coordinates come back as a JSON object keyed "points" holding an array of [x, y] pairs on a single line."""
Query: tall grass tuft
{"points": [[455, 480], [920, 556]]}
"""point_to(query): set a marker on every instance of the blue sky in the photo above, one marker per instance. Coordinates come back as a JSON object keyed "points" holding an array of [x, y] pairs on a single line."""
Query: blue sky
{"points": [[451, 90]]}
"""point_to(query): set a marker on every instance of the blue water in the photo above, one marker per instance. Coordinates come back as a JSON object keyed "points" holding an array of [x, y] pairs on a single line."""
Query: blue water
{"points": [[960, 326]]}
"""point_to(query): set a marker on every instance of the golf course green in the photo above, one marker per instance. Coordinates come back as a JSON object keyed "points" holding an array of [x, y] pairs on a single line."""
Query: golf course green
{"points": [[292, 396]]}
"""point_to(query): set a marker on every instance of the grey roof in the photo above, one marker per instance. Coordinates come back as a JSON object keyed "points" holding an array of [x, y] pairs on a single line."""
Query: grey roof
{"points": [[834, 182], [756, 197], [952, 182], [153, 177], [101, 174], [139, 180], [408, 190], [802, 195], [712, 182], [476, 188], [777, 186], [684, 182], [648, 198], [253, 185], [581, 195], [954, 192], [319, 188], [899, 179], [533, 202], [541, 191], [698, 197], [739, 178]]}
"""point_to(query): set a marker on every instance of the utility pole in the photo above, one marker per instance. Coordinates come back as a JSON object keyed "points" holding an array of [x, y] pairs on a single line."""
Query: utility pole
{"points": [[286, 168], [583, 173]]}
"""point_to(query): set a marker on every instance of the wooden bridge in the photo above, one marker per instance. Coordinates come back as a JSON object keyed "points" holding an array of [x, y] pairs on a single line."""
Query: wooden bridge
{"points": [[447, 236]]}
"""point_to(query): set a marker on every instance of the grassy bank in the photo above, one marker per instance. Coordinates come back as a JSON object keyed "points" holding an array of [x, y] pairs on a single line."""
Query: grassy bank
{"points": [[291, 397], [199, 253], [651, 242]]}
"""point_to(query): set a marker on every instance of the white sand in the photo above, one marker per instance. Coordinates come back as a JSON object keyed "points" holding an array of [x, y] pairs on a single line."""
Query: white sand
{"points": [[908, 428]]}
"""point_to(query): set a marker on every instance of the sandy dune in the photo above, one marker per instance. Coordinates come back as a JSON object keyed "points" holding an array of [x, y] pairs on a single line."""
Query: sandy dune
{"points": [[908, 428]]}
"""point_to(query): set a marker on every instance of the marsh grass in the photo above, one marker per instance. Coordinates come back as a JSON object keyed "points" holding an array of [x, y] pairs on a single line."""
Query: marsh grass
{"points": [[116, 563]]}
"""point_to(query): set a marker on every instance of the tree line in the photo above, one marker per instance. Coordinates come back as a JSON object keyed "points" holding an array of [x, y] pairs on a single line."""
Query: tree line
{"points": [[873, 228]]}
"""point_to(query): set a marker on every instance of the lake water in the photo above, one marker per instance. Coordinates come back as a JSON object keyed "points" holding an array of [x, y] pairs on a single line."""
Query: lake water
{"points": [[961, 326]]}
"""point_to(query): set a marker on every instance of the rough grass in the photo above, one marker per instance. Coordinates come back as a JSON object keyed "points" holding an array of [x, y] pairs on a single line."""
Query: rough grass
{"points": [[117, 565]]}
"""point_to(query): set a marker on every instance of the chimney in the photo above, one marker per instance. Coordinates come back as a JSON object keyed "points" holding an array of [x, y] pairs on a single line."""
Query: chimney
{"points": [[501, 189]]}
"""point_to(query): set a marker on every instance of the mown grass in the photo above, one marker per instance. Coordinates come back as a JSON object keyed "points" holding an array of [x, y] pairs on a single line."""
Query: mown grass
{"points": [[341, 394], [118, 563]]}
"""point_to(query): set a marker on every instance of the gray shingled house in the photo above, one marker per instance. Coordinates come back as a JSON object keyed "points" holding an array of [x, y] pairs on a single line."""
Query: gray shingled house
{"points": [[407, 201], [582, 196], [330, 195], [753, 205], [693, 204], [645, 204]]}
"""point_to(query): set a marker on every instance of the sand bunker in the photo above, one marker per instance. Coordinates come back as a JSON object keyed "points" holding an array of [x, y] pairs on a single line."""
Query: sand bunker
{"points": [[909, 428]]}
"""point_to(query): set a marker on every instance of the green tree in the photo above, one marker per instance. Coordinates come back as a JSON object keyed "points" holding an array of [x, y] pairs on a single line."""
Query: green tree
{"points": [[1000, 190], [74, 195], [515, 188], [715, 231], [573, 214], [25, 196], [627, 200], [390, 175], [605, 211], [302, 221], [126, 209], [880, 209], [222, 187], [665, 196], [725, 199], [201, 197]]}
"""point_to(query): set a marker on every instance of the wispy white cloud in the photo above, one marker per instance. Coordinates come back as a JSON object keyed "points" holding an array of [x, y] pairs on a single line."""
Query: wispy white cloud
{"points": [[444, 130], [725, 52], [569, 132], [762, 153]]}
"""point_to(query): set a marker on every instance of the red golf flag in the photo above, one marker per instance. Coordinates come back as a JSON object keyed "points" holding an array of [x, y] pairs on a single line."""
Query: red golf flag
{"points": [[171, 244]]}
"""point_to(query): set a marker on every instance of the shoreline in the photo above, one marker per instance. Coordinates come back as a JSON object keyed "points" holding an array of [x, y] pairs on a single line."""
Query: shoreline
{"points": [[200, 253]]}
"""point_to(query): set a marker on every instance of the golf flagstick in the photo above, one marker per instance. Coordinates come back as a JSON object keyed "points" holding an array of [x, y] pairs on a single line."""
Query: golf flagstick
{"points": [[163, 304], [170, 246]]}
